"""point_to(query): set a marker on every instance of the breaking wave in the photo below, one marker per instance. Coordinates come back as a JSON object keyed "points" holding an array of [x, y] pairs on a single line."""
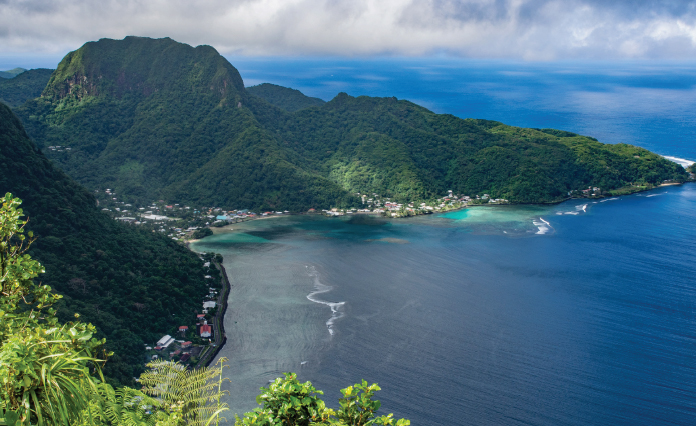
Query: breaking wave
{"points": [[543, 226]]}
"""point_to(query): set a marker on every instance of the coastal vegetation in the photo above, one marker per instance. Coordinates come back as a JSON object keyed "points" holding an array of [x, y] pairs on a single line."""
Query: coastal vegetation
{"points": [[157, 119]]}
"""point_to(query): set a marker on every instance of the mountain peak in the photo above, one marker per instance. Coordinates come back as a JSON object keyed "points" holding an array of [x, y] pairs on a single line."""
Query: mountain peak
{"points": [[142, 66]]}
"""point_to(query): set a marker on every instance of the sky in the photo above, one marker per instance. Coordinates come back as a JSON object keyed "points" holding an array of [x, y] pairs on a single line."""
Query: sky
{"points": [[530, 30]]}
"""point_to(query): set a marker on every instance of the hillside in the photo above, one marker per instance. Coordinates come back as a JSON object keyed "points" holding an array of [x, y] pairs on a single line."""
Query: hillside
{"points": [[157, 119], [133, 285], [27, 85], [11, 73], [402, 150], [290, 100]]}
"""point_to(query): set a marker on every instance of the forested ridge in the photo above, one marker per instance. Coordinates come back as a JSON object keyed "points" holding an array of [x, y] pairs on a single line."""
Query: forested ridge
{"points": [[134, 286], [287, 99], [27, 85], [157, 119]]}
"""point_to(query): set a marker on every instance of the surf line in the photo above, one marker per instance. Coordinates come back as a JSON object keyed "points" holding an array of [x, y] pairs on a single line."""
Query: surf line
{"points": [[319, 288], [543, 226]]}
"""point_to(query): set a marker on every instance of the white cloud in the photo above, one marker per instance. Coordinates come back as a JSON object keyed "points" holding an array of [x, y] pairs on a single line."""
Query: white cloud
{"points": [[529, 29]]}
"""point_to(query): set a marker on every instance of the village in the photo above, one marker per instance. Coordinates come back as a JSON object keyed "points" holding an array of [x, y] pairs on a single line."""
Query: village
{"points": [[197, 343]]}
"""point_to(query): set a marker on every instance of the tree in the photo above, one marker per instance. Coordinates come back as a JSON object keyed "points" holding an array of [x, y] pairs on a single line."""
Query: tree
{"points": [[197, 393], [287, 402], [46, 368]]}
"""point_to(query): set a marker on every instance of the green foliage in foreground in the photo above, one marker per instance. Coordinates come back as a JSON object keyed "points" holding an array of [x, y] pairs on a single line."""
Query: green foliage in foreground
{"points": [[287, 99], [133, 285], [27, 85], [287, 402], [44, 365]]}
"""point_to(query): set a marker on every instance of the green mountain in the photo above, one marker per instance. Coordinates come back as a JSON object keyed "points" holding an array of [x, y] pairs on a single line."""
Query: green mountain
{"points": [[27, 85], [11, 73], [133, 285], [157, 119], [290, 100], [160, 119]]}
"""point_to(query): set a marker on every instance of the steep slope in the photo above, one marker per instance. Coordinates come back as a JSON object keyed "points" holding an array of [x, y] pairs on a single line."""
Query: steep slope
{"points": [[142, 116], [133, 285], [158, 119], [27, 85], [290, 100]]}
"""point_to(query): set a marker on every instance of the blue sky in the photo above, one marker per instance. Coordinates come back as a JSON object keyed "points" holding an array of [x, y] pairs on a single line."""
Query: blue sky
{"points": [[42, 31]]}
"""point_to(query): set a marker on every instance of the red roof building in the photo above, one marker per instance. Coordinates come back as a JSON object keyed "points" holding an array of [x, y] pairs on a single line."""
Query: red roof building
{"points": [[206, 330]]}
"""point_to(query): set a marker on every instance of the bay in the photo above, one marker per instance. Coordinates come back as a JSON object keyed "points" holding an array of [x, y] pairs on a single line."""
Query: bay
{"points": [[579, 313]]}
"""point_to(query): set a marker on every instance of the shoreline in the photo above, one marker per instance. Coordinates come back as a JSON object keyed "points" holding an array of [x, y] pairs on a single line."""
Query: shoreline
{"points": [[219, 320]]}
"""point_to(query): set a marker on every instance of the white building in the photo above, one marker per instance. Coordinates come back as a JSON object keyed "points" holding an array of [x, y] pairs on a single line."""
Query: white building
{"points": [[165, 341]]}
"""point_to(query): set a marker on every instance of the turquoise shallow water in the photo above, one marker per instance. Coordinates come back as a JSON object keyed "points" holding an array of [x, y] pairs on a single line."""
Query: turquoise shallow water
{"points": [[580, 313]]}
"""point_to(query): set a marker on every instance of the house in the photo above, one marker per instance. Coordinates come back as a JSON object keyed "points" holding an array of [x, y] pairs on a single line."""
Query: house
{"points": [[206, 330], [183, 329], [186, 345], [185, 357], [209, 304], [200, 317]]}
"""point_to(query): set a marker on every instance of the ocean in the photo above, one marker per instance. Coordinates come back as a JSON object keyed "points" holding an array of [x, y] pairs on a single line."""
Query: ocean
{"points": [[573, 314]]}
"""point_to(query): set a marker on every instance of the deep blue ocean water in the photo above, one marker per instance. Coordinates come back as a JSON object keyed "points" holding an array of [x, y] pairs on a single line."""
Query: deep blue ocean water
{"points": [[574, 314]]}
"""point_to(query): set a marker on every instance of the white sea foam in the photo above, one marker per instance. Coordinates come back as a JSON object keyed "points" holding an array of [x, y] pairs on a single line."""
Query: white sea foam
{"points": [[608, 199], [319, 288], [543, 226], [573, 213], [681, 161], [652, 195]]}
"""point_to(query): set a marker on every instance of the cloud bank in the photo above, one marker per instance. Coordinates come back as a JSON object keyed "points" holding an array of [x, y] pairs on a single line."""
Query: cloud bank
{"points": [[521, 29]]}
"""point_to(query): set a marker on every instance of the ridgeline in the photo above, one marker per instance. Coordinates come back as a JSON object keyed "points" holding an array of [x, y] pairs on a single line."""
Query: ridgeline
{"points": [[157, 119]]}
